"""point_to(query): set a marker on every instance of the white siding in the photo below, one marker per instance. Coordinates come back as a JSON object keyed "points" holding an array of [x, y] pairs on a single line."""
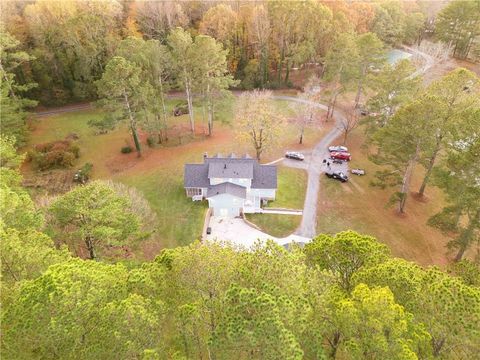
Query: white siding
{"points": [[263, 193], [226, 205]]}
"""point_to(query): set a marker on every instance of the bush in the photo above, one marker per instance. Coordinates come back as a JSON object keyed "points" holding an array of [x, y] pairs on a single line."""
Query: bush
{"points": [[150, 141], [126, 149], [103, 125], [55, 154]]}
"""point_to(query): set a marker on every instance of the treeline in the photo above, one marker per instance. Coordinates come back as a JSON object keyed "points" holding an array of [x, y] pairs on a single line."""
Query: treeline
{"points": [[56, 52], [72, 41]]}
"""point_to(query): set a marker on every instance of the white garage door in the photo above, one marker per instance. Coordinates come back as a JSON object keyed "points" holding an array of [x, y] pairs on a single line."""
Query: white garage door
{"points": [[223, 212]]}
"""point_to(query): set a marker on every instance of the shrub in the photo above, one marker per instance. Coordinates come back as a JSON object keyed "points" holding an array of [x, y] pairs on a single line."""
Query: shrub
{"points": [[55, 154], [103, 125], [126, 149], [151, 141]]}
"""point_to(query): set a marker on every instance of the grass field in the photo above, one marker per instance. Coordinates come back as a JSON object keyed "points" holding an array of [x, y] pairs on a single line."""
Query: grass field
{"points": [[158, 174], [292, 184], [358, 206]]}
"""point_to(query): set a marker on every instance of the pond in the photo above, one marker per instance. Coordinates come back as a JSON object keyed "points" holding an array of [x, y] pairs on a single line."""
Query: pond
{"points": [[396, 55]]}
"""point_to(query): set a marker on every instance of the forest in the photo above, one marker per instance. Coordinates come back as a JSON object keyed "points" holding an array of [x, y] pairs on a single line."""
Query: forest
{"points": [[76, 280]]}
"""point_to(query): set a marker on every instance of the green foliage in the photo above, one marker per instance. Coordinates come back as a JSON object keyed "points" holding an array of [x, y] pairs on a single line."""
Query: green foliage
{"points": [[14, 106], [209, 299], [254, 326], [156, 65], [27, 253], [8, 154], [73, 41], [104, 124], [341, 61], [372, 325], [83, 174], [400, 276], [401, 143], [344, 254], [456, 97], [457, 179], [126, 149], [445, 305], [17, 208], [458, 25], [93, 216], [450, 311], [78, 297], [389, 22], [125, 94], [467, 270], [392, 87]]}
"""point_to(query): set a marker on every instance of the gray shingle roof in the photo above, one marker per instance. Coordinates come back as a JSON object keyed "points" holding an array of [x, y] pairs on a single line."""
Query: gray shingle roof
{"points": [[227, 188], [230, 168], [264, 177], [198, 175]]}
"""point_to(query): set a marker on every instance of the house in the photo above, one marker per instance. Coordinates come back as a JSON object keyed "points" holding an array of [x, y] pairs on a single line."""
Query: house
{"points": [[232, 185]]}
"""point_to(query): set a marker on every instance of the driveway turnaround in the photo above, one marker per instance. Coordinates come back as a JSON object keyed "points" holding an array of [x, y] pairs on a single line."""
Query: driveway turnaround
{"points": [[239, 233]]}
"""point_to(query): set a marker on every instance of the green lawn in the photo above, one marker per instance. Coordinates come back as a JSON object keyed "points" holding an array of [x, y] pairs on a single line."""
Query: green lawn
{"points": [[159, 173], [276, 225], [292, 184], [179, 220], [358, 206]]}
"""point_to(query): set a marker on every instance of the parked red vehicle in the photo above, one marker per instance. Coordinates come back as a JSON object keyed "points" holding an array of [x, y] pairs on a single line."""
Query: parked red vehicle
{"points": [[341, 156]]}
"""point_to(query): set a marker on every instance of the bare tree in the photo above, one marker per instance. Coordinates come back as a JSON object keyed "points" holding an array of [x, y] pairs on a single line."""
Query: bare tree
{"points": [[349, 123], [306, 111]]}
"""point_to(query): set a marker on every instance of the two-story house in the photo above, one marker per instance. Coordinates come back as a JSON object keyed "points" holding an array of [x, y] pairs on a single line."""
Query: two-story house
{"points": [[232, 185]]}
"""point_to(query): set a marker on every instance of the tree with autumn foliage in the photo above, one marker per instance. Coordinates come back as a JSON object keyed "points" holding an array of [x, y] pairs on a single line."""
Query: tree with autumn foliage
{"points": [[257, 120]]}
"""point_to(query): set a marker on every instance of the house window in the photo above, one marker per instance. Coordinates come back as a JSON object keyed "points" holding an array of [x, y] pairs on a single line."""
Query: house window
{"points": [[194, 191]]}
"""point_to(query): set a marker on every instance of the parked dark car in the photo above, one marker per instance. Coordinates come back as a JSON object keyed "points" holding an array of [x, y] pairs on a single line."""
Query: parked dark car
{"points": [[209, 230], [337, 175], [337, 161], [341, 155], [294, 155], [180, 109]]}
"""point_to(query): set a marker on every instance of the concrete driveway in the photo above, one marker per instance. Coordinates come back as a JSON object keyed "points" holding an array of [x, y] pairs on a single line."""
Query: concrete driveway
{"points": [[238, 232]]}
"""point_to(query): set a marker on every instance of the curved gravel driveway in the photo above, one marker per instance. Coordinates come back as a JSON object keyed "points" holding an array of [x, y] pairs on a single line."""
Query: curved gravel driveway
{"points": [[308, 225], [320, 151]]}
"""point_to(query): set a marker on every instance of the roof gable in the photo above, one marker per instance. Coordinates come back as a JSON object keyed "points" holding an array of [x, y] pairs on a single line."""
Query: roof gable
{"points": [[227, 188]]}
